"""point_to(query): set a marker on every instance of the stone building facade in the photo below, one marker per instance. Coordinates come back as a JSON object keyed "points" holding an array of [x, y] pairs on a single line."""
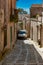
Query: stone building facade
{"points": [[36, 31], [7, 28], [36, 9], [36, 27]]}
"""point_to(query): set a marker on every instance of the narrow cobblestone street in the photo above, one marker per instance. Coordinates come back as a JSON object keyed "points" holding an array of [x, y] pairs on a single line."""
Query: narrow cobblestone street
{"points": [[23, 54]]}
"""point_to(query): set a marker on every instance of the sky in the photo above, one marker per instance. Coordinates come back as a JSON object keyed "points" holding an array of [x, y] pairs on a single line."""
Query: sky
{"points": [[26, 4]]}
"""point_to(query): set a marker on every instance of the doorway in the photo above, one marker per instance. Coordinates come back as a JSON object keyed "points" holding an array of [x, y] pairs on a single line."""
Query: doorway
{"points": [[10, 36], [5, 36]]}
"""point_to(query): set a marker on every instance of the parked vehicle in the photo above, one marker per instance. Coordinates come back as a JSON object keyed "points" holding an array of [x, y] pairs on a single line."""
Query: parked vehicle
{"points": [[22, 34]]}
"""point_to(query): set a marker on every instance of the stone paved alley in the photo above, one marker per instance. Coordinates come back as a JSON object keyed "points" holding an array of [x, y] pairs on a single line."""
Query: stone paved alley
{"points": [[23, 54]]}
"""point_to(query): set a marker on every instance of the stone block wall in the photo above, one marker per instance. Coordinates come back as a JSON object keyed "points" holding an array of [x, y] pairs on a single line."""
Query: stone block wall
{"points": [[36, 32], [1, 29], [11, 35]]}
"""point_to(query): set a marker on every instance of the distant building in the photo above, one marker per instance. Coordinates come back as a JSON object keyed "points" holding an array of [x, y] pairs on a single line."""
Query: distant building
{"points": [[24, 22], [36, 9], [21, 16]]}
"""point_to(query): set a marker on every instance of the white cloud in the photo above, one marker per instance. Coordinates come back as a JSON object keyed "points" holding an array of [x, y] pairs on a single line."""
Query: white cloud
{"points": [[27, 9]]}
